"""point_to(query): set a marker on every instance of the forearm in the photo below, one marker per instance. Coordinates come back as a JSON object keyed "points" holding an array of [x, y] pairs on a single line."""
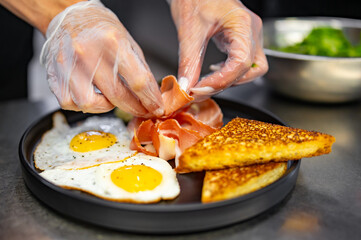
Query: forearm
{"points": [[38, 13]]}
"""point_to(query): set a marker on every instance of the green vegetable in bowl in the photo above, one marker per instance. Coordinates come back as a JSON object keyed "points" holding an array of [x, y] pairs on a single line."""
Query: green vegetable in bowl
{"points": [[325, 41]]}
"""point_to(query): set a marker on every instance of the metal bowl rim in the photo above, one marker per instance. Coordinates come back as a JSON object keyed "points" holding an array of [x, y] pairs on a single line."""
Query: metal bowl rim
{"points": [[295, 56]]}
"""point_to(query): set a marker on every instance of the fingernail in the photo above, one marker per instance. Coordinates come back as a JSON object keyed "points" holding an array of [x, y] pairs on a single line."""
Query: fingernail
{"points": [[215, 67], [203, 90], [183, 83], [159, 112]]}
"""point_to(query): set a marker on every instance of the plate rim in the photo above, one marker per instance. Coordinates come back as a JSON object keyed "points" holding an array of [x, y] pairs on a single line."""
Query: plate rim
{"points": [[156, 208]]}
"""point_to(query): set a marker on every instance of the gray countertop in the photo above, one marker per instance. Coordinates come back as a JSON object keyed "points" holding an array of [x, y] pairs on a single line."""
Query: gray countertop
{"points": [[325, 204]]}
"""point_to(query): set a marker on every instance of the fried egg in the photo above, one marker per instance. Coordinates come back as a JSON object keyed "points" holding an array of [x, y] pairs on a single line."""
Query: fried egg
{"points": [[139, 179], [92, 142]]}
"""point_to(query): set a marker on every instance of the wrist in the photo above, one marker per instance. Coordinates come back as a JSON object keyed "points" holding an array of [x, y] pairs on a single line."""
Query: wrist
{"points": [[49, 9], [38, 13]]}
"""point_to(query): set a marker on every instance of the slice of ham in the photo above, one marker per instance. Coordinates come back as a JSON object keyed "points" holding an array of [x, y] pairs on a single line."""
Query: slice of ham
{"points": [[183, 124], [207, 112], [184, 137], [174, 98], [140, 140], [188, 121]]}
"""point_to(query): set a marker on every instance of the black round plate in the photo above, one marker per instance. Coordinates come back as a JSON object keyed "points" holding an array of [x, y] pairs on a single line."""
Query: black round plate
{"points": [[185, 214]]}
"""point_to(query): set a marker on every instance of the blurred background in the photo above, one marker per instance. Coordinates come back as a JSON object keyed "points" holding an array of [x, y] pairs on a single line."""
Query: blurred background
{"points": [[150, 24]]}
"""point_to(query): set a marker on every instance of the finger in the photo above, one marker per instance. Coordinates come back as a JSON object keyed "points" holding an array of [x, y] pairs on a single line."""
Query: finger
{"points": [[58, 83], [64, 97], [84, 95], [258, 69], [108, 82], [192, 47], [138, 77], [234, 67], [81, 80], [259, 66], [236, 39]]}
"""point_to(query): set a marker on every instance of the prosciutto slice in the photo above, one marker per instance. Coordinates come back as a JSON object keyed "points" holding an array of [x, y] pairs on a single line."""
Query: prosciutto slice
{"points": [[183, 124]]}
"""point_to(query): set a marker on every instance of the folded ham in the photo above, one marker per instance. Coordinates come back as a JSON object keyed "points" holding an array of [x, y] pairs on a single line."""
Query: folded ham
{"points": [[183, 124]]}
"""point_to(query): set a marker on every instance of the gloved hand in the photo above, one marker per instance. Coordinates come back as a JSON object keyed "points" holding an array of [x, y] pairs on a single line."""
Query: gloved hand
{"points": [[88, 50], [236, 31]]}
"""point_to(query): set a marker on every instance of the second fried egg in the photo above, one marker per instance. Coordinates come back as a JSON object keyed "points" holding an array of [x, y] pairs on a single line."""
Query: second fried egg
{"points": [[139, 179]]}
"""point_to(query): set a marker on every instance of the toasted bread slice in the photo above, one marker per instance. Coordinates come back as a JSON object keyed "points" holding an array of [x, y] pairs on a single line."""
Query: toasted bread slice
{"points": [[234, 182], [244, 142]]}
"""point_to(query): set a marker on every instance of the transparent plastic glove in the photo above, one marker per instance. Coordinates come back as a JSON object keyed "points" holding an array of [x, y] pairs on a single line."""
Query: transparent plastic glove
{"points": [[236, 31], [88, 50]]}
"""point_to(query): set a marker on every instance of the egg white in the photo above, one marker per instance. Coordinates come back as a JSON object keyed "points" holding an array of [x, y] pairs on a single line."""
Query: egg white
{"points": [[97, 180], [54, 149]]}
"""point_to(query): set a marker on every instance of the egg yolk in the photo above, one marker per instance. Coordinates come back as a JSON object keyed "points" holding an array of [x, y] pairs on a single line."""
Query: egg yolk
{"points": [[91, 141], [136, 178]]}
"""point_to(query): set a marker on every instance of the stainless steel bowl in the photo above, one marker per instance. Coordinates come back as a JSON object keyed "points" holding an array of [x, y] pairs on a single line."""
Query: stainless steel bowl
{"points": [[306, 77]]}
